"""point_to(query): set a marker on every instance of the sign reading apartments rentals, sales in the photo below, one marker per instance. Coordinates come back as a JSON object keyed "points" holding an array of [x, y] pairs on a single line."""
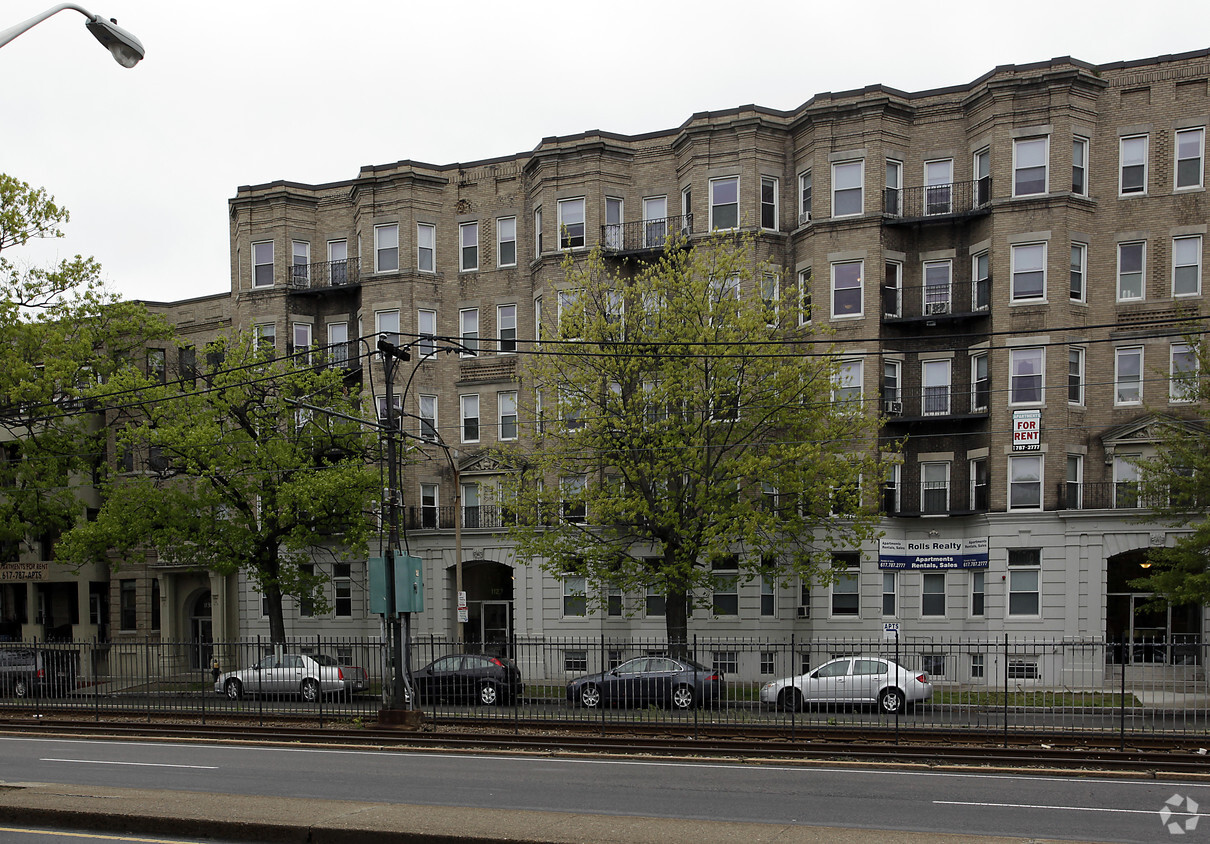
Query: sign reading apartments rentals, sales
{"points": [[933, 553]]}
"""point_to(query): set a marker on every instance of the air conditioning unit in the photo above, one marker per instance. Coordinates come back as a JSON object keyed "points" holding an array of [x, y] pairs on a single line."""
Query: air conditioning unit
{"points": [[931, 308], [892, 408], [804, 217], [802, 612]]}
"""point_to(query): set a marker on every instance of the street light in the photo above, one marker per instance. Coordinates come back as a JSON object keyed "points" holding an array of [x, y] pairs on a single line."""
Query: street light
{"points": [[126, 49]]}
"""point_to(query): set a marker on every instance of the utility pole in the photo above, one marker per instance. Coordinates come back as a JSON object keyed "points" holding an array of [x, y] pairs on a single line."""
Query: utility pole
{"points": [[398, 634]]}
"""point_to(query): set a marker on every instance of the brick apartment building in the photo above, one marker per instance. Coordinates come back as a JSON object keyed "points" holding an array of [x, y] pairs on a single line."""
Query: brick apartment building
{"points": [[1005, 262]]}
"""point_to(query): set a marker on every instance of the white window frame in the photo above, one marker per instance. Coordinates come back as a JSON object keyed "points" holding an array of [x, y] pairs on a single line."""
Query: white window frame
{"points": [[846, 168], [426, 247], [805, 277], [1018, 356], [714, 185], [468, 332], [935, 468], [1019, 145], [933, 190], [1178, 391], [1024, 575], [805, 196], [1074, 485], [929, 371], [860, 288], [426, 328], [1076, 364], [1022, 264], [468, 406], [506, 412], [338, 343], [426, 412], [615, 210], [1195, 241], [1079, 268], [430, 492], [937, 298], [259, 260], [890, 589], [468, 246], [1080, 163], [302, 350], [980, 404], [981, 271], [1119, 380], [1177, 159], [978, 582], [506, 329], [1142, 271], [386, 241], [567, 237], [300, 271], [1017, 476], [1145, 142], [387, 322], [927, 577], [506, 233], [772, 204], [894, 183], [538, 232], [850, 380], [853, 574]]}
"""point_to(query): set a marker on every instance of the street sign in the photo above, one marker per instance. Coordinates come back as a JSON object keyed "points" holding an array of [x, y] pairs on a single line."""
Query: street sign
{"points": [[463, 613], [890, 630]]}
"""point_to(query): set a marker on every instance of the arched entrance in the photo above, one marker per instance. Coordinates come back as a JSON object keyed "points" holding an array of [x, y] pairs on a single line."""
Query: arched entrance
{"points": [[489, 603], [1140, 632], [201, 630]]}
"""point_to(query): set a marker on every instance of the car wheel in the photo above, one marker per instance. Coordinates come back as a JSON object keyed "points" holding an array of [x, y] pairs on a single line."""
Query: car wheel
{"points": [[790, 700], [890, 701], [234, 689], [682, 697], [590, 696], [310, 690], [489, 694], [20, 688]]}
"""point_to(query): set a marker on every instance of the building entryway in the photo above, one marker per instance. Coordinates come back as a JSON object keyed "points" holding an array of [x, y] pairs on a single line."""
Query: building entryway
{"points": [[1139, 632], [201, 631], [489, 601]]}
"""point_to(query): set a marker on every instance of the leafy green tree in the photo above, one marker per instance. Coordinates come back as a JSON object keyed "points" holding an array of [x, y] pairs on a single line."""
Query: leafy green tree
{"points": [[694, 427], [60, 333], [236, 470], [1175, 485]]}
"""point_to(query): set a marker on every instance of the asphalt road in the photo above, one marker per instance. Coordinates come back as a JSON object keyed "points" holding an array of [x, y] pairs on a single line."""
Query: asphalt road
{"points": [[13, 834], [1097, 809]]}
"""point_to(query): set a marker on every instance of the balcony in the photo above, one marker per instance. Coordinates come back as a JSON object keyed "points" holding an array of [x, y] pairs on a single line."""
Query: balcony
{"points": [[1110, 495], [642, 236], [932, 303], [933, 498], [327, 275], [937, 203], [937, 403]]}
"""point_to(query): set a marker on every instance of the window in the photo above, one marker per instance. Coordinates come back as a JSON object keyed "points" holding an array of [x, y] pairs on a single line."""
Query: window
{"points": [[849, 380], [613, 223], [687, 209], [804, 599], [468, 247], [1023, 669], [978, 665], [655, 221], [574, 661], [1075, 375], [932, 594], [1132, 171], [768, 203], [468, 328], [845, 597], [386, 323], [396, 407], [892, 392], [1029, 271], [1128, 376], [302, 342], [935, 387], [507, 405], [980, 383], [724, 662], [1025, 482], [537, 232], [1024, 580], [386, 248], [980, 483], [890, 490], [978, 593], [157, 365], [1126, 480], [1075, 482], [767, 662], [981, 281], [262, 264], [804, 198], [1026, 367], [428, 417], [266, 337], [655, 604], [939, 186], [725, 572], [342, 582], [506, 329], [937, 287], [426, 247], [426, 327], [804, 296], [127, 614], [306, 608], [769, 295], [571, 223], [847, 181], [768, 592], [428, 505], [338, 343], [1131, 257], [1079, 166], [847, 292], [933, 664], [889, 580], [575, 603], [724, 203], [1182, 384], [983, 176], [892, 289], [1030, 157], [1190, 144], [613, 600], [570, 314], [506, 242], [538, 319], [470, 417], [301, 268], [1186, 266], [1079, 270], [572, 506], [469, 503], [893, 195], [934, 488]]}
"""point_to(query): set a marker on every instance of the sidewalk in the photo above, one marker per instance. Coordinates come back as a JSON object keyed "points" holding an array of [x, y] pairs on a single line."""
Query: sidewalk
{"points": [[273, 819]]}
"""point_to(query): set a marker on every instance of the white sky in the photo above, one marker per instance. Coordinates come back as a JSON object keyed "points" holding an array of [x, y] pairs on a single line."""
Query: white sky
{"points": [[238, 93]]}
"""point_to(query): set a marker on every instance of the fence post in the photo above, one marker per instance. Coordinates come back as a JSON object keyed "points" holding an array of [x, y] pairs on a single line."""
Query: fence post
{"points": [[601, 705], [793, 673], [147, 673], [1122, 702], [1006, 690], [96, 686], [697, 704], [203, 669], [260, 697], [320, 701]]}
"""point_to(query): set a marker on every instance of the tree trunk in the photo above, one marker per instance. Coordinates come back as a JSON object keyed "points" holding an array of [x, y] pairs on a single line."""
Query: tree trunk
{"points": [[277, 623], [676, 621]]}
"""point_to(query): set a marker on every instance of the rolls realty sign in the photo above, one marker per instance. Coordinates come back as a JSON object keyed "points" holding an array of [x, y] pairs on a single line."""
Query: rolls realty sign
{"points": [[933, 553]]}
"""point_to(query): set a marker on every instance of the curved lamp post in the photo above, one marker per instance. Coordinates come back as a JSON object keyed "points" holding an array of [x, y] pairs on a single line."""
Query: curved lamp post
{"points": [[126, 49]]}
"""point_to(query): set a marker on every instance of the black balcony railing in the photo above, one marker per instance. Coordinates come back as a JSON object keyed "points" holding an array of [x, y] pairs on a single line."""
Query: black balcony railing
{"points": [[1110, 495], [323, 275], [943, 401], [930, 301], [925, 201], [644, 235], [933, 498]]}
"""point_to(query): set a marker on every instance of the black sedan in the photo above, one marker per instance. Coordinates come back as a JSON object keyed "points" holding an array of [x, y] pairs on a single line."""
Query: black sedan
{"points": [[661, 680], [469, 678]]}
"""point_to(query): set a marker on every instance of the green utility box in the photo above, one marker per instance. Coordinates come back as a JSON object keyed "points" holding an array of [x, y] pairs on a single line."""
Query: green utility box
{"points": [[409, 584]]}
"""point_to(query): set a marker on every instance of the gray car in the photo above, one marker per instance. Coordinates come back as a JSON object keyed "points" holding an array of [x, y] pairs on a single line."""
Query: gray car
{"points": [[283, 674], [851, 680]]}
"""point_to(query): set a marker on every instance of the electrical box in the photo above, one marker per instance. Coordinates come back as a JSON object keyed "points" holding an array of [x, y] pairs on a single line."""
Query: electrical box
{"points": [[409, 584]]}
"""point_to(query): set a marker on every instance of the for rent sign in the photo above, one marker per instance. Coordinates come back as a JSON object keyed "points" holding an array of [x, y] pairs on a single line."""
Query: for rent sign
{"points": [[933, 553], [1027, 430], [24, 571]]}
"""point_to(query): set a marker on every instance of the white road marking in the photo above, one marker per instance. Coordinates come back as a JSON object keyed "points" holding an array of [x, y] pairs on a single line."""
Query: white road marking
{"points": [[93, 836], [1057, 808], [138, 764]]}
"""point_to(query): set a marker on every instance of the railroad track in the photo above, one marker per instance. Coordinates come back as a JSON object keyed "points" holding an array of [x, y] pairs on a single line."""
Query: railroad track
{"points": [[1071, 754]]}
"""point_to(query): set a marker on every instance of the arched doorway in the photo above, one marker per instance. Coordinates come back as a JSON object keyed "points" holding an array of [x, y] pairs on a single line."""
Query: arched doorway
{"points": [[1139, 631], [489, 602], [201, 631]]}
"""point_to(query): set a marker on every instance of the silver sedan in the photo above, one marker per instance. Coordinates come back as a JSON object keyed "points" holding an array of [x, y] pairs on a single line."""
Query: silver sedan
{"points": [[851, 680], [282, 674]]}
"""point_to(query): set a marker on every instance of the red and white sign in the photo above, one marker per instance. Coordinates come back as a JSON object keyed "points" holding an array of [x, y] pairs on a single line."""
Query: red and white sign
{"points": [[1027, 430]]}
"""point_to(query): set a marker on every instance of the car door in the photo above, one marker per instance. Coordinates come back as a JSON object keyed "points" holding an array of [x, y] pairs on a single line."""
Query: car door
{"points": [[443, 680], [661, 673], [867, 679], [259, 678], [288, 675], [624, 684], [828, 683]]}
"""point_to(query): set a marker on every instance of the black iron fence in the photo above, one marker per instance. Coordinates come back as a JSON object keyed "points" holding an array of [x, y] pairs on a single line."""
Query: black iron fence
{"points": [[323, 274], [962, 297], [644, 235], [937, 200]]}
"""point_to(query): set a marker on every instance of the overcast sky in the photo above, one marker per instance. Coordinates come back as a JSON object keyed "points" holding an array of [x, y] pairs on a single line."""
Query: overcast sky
{"points": [[239, 93]]}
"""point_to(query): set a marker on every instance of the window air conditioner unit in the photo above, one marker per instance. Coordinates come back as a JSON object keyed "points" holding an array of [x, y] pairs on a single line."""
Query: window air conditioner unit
{"points": [[804, 217], [931, 308], [892, 408], [802, 612]]}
